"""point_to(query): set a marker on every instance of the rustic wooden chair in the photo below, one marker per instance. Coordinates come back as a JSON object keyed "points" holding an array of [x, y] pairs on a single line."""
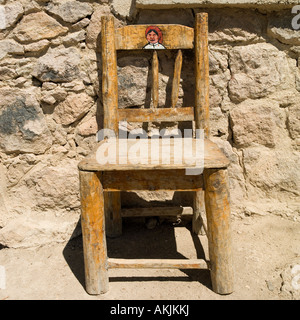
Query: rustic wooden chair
{"points": [[101, 184]]}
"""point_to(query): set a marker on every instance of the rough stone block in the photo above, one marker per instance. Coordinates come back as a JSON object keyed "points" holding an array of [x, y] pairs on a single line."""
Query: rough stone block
{"points": [[10, 14], [269, 173], [55, 186], [70, 11], [280, 27], [258, 70], [73, 108], [123, 8], [132, 81], [10, 46], [256, 122], [94, 28], [294, 121], [37, 26], [37, 47], [184, 17], [88, 127], [235, 26], [32, 230], [167, 4], [22, 124], [58, 65]]}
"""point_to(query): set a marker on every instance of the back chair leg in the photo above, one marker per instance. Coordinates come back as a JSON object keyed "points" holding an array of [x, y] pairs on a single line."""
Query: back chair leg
{"points": [[93, 232], [198, 214], [219, 230], [113, 219]]}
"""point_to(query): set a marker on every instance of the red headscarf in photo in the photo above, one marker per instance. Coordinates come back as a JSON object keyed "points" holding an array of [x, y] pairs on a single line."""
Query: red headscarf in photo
{"points": [[157, 31]]}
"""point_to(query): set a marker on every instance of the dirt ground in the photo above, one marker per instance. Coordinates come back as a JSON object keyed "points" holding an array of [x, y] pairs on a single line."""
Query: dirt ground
{"points": [[266, 251]]}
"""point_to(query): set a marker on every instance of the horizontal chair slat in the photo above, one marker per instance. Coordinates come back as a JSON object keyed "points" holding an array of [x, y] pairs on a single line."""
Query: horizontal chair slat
{"points": [[157, 264], [161, 114], [151, 180], [156, 211], [174, 37]]}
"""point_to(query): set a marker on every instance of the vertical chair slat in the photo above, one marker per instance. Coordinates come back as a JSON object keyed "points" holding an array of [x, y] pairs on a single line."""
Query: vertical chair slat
{"points": [[176, 78], [201, 96], [110, 108], [202, 74], [109, 74], [155, 82]]}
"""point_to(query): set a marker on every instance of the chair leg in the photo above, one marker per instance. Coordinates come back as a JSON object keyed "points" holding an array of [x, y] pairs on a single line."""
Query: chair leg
{"points": [[199, 212], [113, 219], [93, 233], [219, 230]]}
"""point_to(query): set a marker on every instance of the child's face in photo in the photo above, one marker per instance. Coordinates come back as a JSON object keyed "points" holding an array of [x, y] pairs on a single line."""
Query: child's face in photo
{"points": [[152, 37]]}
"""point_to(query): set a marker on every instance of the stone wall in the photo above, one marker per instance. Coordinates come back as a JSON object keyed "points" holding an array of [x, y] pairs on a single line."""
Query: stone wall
{"points": [[50, 106]]}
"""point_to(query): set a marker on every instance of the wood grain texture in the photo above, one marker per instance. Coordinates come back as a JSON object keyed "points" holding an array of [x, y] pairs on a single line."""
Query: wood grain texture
{"points": [[127, 160], [113, 219], [202, 74], [176, 79], [155, 80], [109, 74], [93, 233], [157, 264], [136, 180], [161, 114], [219, 229], [199, 225], [132, 37]]}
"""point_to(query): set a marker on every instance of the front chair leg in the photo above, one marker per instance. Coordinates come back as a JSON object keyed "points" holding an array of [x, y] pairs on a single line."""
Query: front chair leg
{"points": [[93, 232], [219, 230]]}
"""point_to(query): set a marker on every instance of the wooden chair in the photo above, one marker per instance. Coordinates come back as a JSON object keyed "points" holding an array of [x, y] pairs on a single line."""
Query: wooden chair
{"points": [[101, 184]]}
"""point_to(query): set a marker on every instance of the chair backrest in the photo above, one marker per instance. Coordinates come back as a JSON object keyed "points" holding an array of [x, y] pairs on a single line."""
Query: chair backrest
{"points": [[168, 37]]}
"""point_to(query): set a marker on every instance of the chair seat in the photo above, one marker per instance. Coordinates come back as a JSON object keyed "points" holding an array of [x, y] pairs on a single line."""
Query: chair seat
{"points": [[149, 154]]}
